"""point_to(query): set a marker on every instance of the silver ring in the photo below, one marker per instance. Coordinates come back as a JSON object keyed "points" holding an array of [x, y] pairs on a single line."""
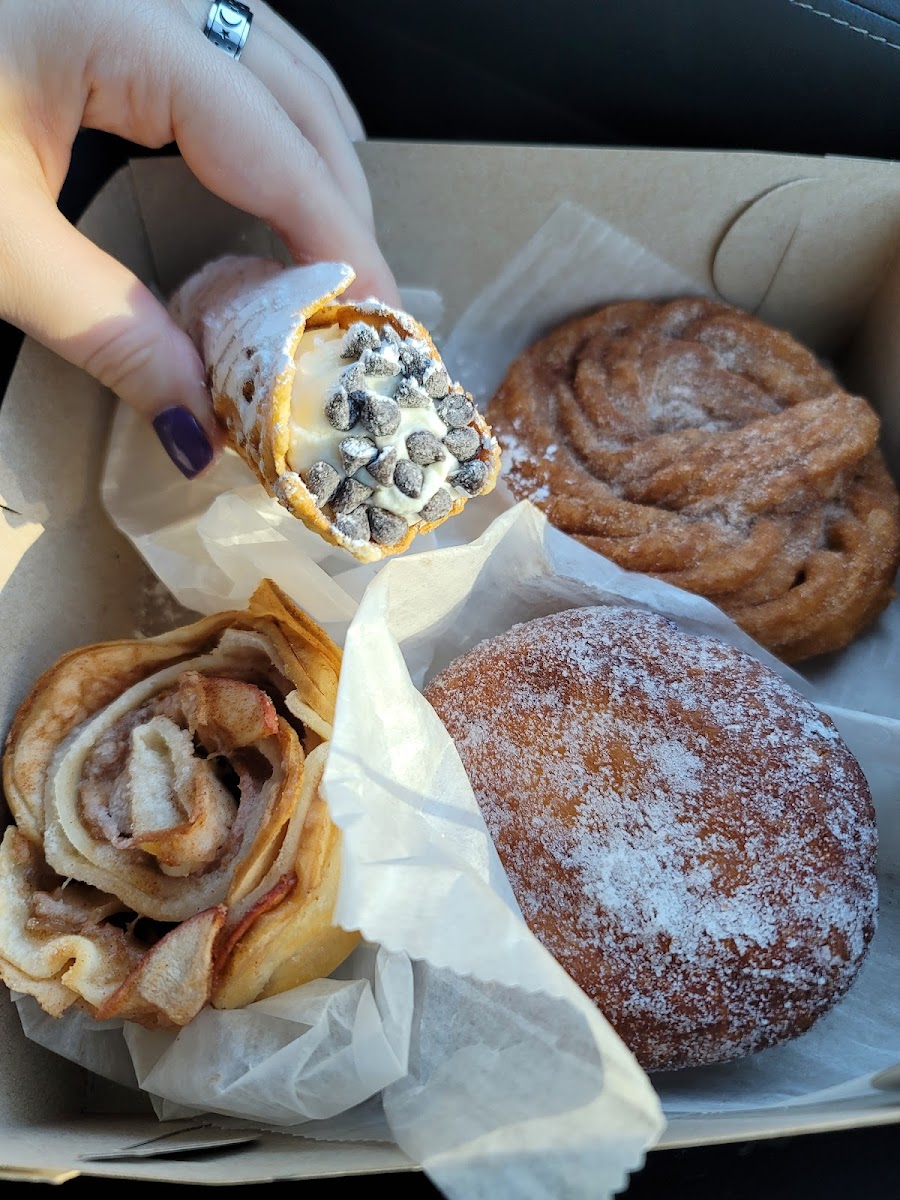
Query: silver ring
{"points": [[228, 26]]}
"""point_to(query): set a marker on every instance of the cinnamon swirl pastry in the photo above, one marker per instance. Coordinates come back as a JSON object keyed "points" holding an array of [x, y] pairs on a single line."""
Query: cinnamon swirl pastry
{"points": [[171, 848], [684, 832], [690, 441]]}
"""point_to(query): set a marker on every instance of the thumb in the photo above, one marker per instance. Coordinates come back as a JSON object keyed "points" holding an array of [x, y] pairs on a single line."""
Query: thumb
{"points": [[65, 292]]}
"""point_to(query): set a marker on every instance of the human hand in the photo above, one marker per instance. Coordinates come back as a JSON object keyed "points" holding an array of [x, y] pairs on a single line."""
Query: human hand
{"points": [[271, 134]]}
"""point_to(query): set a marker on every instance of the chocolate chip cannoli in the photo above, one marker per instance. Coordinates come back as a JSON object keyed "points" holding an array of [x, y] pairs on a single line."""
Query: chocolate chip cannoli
{"points": [[345, 411]]}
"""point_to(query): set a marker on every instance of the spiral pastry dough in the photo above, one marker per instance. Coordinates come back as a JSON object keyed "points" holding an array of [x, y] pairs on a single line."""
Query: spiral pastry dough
{"points": [[692, 442], [171, 848]]}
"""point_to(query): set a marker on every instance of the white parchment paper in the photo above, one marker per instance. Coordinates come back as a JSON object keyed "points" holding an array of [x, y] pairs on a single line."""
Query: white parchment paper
{"points": [[491, 1067]]}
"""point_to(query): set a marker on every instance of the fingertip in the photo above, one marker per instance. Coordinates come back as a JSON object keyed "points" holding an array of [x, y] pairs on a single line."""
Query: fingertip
{"points": [[185, 440], [378, 285], [179, 406], [193, 395], [180, 381]]}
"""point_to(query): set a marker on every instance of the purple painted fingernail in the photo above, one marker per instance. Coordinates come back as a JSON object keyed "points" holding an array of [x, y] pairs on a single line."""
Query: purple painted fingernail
{"points": [[183, 440]]}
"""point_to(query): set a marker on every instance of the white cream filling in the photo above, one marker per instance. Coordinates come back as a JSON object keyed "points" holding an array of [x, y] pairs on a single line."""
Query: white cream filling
{"points": [[313, 438]]}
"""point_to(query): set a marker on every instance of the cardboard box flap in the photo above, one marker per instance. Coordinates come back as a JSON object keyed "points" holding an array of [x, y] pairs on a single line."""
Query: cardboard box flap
{"points": [[65, 1145], [807, 250], [709, 1129], [744, 265], [843, 203], [810, 253]]}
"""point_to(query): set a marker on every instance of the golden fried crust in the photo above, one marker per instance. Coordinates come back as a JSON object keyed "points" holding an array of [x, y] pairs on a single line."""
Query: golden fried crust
{"points": [[687, 835], [137, 885], [690, 441]]}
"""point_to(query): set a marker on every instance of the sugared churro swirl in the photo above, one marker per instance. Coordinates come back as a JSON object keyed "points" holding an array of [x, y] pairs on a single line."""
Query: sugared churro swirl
{"points": [[691, 441]]}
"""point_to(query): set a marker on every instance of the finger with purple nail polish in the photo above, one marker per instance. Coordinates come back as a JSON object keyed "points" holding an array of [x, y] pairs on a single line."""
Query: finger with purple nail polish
{"points": [[184, 440]]}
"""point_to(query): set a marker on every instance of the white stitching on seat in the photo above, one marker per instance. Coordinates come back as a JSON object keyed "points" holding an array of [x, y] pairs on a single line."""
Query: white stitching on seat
{"points": [[816, 12]]}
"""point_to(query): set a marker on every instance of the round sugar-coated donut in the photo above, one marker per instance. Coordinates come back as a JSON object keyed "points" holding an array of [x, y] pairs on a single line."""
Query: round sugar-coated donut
{"points": [[684, 832]]}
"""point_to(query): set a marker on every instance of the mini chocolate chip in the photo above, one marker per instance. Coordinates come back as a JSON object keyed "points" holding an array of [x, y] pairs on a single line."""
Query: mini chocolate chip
{"points": [[436, 381], [455, 410], [409, 478], [387, 528], [471, 476], [247, 390], [354, 525], [356, 452], [322, 480], [373, 362], [349, 496], [438, 506], [382, 468], [410, 395], [390, 336], [341, 410], [424, 448], [353, 378], [463, 443], [415, 358], [359, 337], [380, 415]]}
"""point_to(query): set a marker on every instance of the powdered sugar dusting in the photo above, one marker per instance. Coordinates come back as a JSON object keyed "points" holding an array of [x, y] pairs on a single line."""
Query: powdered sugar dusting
{"points": [[684, 832]]}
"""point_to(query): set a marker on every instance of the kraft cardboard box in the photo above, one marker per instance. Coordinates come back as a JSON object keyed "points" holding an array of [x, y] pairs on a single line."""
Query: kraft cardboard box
{"points": [[810, 244]]}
